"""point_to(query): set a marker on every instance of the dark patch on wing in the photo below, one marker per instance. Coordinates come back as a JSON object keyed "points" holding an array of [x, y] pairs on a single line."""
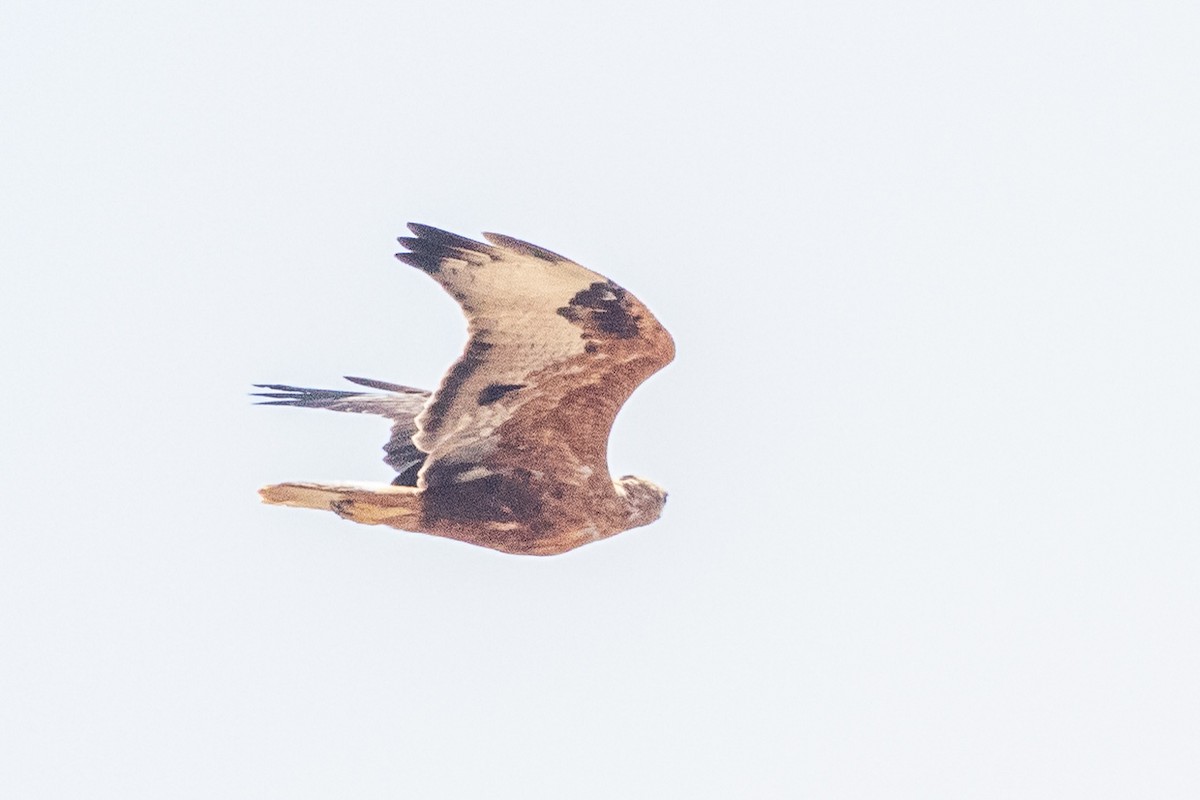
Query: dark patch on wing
{"points": [[431, 246], [463, 369], [495, 391], [603, 305], [524, 248]]}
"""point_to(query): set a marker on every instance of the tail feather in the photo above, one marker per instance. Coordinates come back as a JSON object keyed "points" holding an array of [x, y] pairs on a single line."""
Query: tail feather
{"points": [[368, 503]]}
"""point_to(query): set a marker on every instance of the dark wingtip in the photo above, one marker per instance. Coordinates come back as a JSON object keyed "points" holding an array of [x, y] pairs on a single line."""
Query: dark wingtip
{"points": [[275, 398], [384, 385], [282, 396], [439, 236], [433, 245], [286, 395], [524, 248], [421, 261], [426, 231]]}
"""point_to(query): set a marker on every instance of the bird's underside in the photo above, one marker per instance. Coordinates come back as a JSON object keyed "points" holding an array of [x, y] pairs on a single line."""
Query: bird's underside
{"points": [[408, 508], [510, 452]]}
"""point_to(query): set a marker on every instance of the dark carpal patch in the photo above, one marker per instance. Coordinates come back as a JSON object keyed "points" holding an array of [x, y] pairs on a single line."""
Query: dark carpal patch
{"points": [[495, 391], [604, 305]]}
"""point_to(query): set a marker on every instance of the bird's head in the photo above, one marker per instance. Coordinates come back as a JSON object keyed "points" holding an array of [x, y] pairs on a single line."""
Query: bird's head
{"points": [[644, 499]]}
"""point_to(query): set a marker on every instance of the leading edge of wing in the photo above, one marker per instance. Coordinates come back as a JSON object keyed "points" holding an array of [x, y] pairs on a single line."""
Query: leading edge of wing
{"points": [[539, 324]]}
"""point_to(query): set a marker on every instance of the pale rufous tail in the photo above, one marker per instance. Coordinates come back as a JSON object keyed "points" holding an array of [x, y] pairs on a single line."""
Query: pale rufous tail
{"points": [[368, 503]]}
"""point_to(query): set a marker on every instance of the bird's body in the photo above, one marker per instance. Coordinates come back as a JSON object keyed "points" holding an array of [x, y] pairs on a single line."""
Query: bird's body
{"points": [[510, 452]]}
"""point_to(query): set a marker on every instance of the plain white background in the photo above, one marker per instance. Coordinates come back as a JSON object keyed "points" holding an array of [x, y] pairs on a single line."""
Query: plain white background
{"points": [[931, 438]]}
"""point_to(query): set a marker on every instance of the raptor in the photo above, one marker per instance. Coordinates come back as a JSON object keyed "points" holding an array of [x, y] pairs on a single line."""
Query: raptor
{"points": [[510, 451]]}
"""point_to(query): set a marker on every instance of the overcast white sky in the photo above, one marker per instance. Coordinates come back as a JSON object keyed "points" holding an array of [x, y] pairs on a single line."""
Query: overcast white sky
{"points": [[931, 438]]}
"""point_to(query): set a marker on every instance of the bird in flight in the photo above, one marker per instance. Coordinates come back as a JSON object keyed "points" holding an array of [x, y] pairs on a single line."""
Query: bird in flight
{"points": [[510, 451]]}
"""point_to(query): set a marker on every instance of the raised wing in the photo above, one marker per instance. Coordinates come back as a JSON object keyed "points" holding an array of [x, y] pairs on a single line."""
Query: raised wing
{"points": [[401, 404], [554, 349]]}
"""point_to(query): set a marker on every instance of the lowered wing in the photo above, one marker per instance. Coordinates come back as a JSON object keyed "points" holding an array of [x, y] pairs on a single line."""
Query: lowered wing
{"points": [[401, 404]]}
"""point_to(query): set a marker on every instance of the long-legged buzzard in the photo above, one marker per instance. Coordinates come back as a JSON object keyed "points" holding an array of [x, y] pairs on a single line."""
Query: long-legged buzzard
{"points": [[510, 452]]}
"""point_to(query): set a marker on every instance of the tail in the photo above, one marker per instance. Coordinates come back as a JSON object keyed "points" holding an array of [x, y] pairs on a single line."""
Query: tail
{"points": [[368, 503]]}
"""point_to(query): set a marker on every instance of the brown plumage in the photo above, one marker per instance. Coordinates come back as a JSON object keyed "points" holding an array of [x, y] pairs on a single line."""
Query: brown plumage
{"points": [[510, 452]]}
